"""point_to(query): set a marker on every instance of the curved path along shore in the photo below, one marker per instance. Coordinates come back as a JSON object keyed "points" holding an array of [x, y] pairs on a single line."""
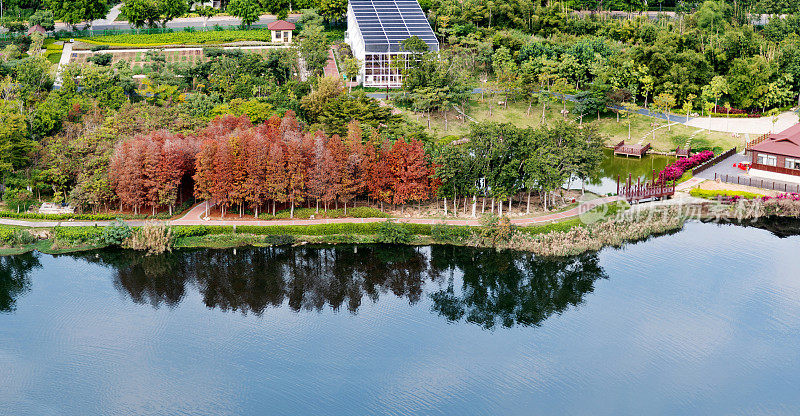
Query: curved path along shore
{"points": [[193, 217]]}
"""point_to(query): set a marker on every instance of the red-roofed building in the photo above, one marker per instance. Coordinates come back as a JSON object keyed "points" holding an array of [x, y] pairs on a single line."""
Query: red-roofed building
{"points": [[36, 29], [281, 31], [778, 156]]}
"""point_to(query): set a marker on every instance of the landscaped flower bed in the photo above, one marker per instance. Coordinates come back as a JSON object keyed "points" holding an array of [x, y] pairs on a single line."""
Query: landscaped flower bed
{"points": [[734, 111], [674, 171]]}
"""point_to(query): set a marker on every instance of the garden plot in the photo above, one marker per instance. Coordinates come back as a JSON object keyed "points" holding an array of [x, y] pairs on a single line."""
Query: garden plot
{"points": [[138, 57]]}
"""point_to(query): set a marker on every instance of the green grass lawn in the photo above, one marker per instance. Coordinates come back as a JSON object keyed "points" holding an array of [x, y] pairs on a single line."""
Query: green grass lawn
{"points": [[666, 139]]}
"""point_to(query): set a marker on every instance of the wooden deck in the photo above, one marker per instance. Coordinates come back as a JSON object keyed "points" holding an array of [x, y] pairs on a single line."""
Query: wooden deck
{"points": [[755, 141], [637, 150], [680, 153]]}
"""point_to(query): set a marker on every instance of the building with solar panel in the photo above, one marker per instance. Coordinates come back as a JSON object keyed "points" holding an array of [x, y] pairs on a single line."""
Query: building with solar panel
{"points": [[375, 29]]}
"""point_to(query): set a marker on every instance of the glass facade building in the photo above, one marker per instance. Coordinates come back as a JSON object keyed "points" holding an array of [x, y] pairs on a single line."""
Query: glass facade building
{"points": [[375, 29]]}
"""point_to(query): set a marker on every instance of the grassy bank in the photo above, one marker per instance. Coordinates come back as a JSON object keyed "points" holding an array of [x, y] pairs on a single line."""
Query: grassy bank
{"points": [[642, 127], [608, 225], [157, 237]]}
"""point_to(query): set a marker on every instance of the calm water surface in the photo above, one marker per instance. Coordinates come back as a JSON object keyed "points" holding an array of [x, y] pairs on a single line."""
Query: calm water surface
{"points": [[621, 166], [705, 321]]}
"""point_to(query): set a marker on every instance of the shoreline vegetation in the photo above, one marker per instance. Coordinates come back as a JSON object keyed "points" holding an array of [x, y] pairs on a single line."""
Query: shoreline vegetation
{"points": [[612, 225]]}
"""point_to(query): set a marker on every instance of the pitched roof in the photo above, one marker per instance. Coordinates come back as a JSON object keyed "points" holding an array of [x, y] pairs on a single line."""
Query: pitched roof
{"points": [[385, 23], [280, 25], [786, 143], [36, 28]]}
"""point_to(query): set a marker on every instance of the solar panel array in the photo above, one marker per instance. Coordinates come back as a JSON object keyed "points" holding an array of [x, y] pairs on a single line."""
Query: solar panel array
{"points": [[386, 23]]}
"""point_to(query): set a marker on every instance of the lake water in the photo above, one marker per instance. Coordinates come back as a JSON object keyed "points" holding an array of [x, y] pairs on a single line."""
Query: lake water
{"points": [[704, 321], [620, 166]]}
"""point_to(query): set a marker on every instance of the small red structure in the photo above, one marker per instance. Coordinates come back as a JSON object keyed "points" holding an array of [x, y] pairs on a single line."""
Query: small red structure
{"points": [[36, 29], [777, 153], [637, 150], [655, 188], [281, 31]]}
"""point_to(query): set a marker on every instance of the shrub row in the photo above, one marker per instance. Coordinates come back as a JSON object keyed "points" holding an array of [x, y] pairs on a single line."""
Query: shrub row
{"points": [[713, 194], [13, 237], [318, 229], [305, 213], [80, 235], [80, 217], [445, 233]]}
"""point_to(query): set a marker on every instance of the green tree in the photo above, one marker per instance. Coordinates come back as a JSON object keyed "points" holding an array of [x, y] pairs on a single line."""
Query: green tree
{"points": [[505, 69], [33, 76], [630, 111], [414, 44], [74, 12], [591, 101], [43, 18], [332, 9], [206, 12], [718, 87], [352, 67], [141, 13], [663, 103], [15, 147], [688, 104], [313, 47], [247, 10], [646, 81], [171, 9], [749, 80]]}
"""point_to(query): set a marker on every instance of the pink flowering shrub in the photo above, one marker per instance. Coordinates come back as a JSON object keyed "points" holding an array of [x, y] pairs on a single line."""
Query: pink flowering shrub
{"points": [[788, 197], [674, 171]]}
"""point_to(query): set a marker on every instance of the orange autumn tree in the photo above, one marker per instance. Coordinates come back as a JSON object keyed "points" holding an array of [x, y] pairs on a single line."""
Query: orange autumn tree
{"points": [[221, 163], [147, 170], [411, 171], [380, 173]]}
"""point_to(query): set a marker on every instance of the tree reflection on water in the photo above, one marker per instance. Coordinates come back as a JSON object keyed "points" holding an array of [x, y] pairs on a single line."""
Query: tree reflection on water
{"points": [[484, 287], [15, 278]]}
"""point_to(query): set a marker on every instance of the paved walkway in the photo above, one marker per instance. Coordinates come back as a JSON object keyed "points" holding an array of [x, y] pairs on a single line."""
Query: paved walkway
{"points": [[753, 126], [688, 185], [727, 172], [725, 167], [193, 217], [66, 55], [331, 70]]}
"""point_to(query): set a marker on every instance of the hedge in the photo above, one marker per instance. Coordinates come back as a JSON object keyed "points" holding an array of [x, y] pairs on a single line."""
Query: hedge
{"points": [[713, 194], [7, 235], [317, 229], [80, 217], [305, 213], [78, 234]]}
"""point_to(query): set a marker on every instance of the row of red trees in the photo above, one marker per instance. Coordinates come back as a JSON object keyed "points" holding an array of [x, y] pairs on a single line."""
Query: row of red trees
{"points": [[237, 164]]}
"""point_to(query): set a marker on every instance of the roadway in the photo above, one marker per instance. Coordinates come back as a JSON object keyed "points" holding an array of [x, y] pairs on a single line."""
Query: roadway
{"points": [[110, 23]]}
